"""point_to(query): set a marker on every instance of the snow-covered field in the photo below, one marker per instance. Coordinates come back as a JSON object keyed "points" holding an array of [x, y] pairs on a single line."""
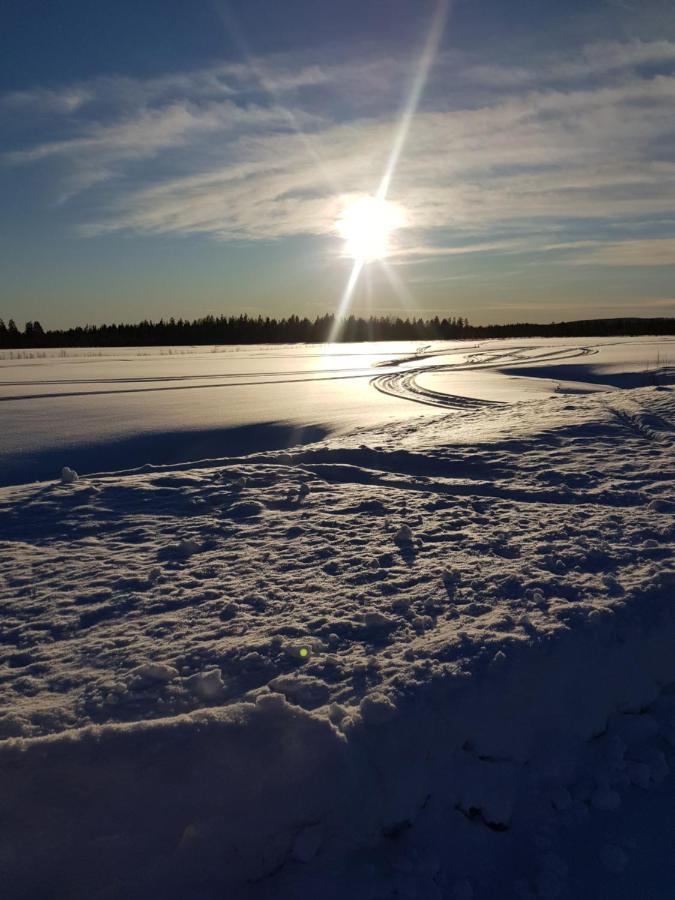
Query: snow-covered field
{"points": [[105, 409], [367, 621]]}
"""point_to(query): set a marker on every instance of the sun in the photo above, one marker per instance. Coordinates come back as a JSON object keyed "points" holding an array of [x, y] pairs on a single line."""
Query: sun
{"points": [[366, 225]]}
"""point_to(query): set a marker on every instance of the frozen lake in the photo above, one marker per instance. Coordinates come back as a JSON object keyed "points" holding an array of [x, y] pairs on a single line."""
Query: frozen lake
{"points": [[101, 409]]}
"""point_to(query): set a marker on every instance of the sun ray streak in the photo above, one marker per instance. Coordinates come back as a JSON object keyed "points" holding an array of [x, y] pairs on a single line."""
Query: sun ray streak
{"points": [[346, 299], [421, 75], [427, 58]]}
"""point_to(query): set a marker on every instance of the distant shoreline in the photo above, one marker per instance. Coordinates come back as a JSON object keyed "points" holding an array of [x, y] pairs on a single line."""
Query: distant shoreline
{"points": [[211, 330]]}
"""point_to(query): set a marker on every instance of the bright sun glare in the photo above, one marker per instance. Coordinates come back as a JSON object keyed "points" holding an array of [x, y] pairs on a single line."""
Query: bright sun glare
{"points": [[366, 225]]}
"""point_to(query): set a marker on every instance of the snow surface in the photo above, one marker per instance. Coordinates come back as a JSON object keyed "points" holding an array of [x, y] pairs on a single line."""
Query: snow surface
{"points": [[105, 409], [430, 657]]}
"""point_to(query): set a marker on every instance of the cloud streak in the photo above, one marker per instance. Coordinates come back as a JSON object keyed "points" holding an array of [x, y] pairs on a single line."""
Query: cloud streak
{"points": [[645, 252], [592, 60], [212, 152]]}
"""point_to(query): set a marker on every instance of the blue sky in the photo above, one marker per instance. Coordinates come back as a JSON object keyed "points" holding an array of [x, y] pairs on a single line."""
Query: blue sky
{"points": [[175, 158]]}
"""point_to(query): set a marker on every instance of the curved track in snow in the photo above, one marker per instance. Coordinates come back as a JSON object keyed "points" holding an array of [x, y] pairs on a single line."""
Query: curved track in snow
{"points": [[405, 384]]}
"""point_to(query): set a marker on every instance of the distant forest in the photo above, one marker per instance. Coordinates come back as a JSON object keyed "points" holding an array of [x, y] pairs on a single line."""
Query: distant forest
{"points": [[264, 330]]}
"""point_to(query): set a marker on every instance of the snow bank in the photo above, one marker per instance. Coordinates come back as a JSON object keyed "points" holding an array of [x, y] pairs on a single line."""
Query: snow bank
{"points": [[231, 799], [404, 681]]}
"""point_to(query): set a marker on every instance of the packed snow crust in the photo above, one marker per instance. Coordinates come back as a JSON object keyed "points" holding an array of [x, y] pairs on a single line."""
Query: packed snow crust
{"points": [[409, 661]]}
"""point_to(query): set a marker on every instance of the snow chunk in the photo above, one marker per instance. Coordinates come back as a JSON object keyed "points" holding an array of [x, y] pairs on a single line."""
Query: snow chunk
{"points": [[245, 509], [303, 690], [404, 535], [186, 548], [229, 611], [336, 713], [68, 475], [206, 685], [376, 708], [271, 703], [253, 660], [422, 623], [151, 673], [378, 623]]}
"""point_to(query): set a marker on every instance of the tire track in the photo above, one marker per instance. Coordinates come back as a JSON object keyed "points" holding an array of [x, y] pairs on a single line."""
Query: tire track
{"points": [[405, 385]]}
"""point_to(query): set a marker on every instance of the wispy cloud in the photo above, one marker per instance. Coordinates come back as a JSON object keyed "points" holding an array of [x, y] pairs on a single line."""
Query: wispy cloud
{"points": [[646, 252], [422, 253], [41, 100], [145, 134], [591, 60], [583, 154], [235, 154]]}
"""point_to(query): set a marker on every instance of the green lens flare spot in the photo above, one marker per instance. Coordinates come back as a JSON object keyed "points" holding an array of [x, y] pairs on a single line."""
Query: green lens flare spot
{"points": [[304, 652]]}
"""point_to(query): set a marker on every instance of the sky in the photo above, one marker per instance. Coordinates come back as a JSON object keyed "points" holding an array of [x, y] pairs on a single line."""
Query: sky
{"points": [[170, 158]]}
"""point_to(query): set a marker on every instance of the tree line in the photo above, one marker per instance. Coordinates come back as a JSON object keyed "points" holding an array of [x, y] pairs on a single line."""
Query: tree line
{"points": [[246, 329]]}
